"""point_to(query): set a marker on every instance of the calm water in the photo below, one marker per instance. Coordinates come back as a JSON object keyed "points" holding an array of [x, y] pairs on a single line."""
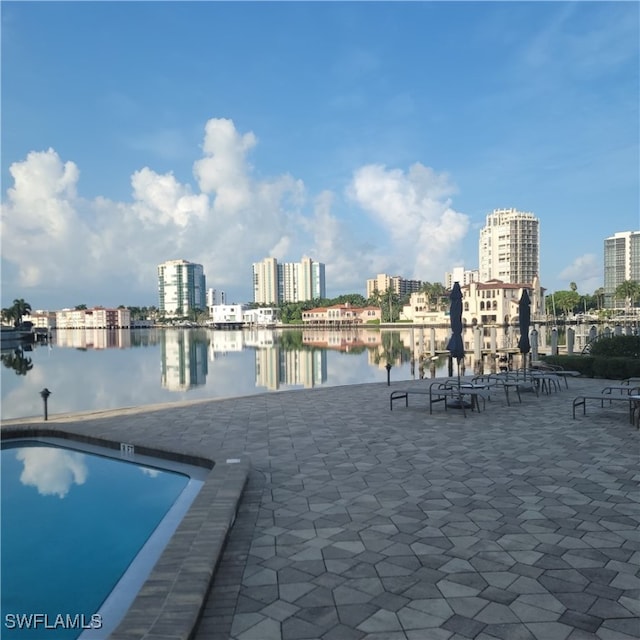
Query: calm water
{"points": [[94, 370]]}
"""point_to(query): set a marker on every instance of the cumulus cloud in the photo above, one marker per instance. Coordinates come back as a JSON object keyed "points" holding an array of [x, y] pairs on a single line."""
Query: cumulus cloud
{"points": [[162, 200], [226, 220], [415, 210], [58, 240], [40, 218], [585, 271], [51, 471], [223, 170]]}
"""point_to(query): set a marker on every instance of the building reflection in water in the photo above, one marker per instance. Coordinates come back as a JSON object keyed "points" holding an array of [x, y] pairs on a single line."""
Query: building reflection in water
{"points": [[276, 366], [93, 338], [183, 359]]}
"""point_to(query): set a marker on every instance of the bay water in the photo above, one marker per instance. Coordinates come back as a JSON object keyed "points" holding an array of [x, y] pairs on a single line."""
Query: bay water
{"points": [[93, 370]]}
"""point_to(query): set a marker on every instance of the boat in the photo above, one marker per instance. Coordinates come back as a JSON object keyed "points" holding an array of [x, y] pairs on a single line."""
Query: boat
{"points": [[17, 335]]}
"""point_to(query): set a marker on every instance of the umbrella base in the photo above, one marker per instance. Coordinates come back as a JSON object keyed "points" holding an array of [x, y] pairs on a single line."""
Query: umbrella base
{"points": [[458, 404]]}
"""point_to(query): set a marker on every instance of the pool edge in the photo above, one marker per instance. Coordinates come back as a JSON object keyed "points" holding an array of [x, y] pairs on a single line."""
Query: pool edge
{"points": [[171, 600]]}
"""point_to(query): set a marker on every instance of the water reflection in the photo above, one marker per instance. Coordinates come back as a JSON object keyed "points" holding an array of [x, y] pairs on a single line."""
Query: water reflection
{"points": [[184, 358], [52, 471], [15, 360], [97, 370], [94, 338]]}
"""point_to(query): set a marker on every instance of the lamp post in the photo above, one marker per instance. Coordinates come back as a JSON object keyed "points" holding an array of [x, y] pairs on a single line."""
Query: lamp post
{"points": [[45, 393]]}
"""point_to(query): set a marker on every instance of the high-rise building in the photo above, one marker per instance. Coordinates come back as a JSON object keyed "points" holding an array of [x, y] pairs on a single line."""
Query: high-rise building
{"points": [[383, 282], [510, 247], [181, 287], [275, 283], [461, 275], [621, 262], [311, 282], [265, 281]]}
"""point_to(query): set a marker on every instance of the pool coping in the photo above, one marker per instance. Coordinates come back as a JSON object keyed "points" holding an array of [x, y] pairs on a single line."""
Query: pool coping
{"points": [[172, 598]]}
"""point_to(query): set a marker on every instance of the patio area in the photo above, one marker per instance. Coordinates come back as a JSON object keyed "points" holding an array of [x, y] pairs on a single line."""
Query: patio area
{"points": [[358, 522]]}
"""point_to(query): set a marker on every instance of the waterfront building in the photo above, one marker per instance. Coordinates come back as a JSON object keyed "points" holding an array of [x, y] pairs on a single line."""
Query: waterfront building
{"points": [[621, 262], [509, 248], [383, 283], [341, 314], [94, 318], [484, 303], [275, 283], [42, 319], [181, 287], [261, 316], [227, 315]]}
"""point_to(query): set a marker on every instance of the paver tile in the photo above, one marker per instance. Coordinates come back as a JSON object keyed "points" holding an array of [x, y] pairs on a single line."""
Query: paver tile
{"points": [[478, 527]]}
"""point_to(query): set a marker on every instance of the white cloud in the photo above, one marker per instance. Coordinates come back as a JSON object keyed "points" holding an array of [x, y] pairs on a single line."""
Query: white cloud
{"points": [[161, 199], [224, 169], [585, 271], [51, 471], [415, 210], [346, 265], [105, 249], [230, 221]]}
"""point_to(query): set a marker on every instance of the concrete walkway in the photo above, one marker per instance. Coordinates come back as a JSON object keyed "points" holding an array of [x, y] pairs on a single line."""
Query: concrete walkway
{"points": [[358, 522]]}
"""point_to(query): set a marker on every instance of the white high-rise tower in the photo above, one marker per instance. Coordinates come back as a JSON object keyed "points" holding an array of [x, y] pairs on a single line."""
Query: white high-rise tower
{"points": [[510, 247]]}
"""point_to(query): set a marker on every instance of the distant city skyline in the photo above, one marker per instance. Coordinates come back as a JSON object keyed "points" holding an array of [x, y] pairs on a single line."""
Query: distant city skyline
{"points": [[382, 153]]}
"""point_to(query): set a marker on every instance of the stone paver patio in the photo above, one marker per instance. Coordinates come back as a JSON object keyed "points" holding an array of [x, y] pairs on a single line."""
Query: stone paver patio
{"points": [[360, 522]]}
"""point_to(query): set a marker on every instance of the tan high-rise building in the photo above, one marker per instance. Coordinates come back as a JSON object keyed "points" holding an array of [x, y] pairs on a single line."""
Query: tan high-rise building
{"points": [[510, 247], [621, 262], [265, 281], [383, 282], [274, 283]]}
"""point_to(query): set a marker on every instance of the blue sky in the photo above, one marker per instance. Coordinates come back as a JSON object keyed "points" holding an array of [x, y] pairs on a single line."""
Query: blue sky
{"points": [[373, 137]]}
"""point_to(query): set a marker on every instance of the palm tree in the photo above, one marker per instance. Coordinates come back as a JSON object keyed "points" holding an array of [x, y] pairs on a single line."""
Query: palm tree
{"points": [[598, 294], [8, 315], [20, 309], [440, 296], [629, 291]]}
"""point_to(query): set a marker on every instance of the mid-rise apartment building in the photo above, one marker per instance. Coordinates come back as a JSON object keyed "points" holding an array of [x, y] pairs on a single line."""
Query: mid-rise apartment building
{"points": [[509, 247], [621, 262], [383, 283], [181, 287], [275, 283], [95, 318]]}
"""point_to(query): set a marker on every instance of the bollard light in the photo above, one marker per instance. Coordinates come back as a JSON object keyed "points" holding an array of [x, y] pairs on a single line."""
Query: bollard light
{"points": [[388, 368], [45, 393]]}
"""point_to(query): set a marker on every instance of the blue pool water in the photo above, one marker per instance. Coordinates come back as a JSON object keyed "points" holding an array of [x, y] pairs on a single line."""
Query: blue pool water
{"points": [[73, 523]]}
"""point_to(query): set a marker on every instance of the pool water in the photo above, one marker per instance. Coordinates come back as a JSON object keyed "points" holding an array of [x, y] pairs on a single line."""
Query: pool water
{"points": [[72, 524]]}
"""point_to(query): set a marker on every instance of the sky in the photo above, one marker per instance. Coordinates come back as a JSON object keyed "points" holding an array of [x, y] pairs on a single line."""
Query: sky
{"points": [[374, 137]]}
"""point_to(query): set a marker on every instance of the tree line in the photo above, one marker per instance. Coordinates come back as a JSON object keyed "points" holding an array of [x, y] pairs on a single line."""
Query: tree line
{"points": [[390, 303], [570, 301]]}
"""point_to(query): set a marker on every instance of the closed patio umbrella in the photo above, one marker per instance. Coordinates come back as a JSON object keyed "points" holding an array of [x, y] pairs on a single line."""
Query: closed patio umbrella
{"points": [[455, 346], [524, 316]]}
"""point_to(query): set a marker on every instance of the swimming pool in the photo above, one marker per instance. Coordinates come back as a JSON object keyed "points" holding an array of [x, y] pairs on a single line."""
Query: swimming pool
{"points": [[82, 527]]}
